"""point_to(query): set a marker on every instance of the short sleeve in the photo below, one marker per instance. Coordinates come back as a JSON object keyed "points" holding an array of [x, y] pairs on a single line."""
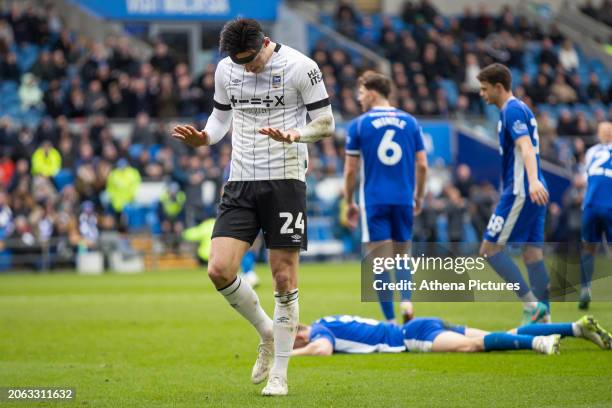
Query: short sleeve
{"points": [[516, 123], [418, 139], [318, 331], [353, 144], [221, 100], [310, 85]]}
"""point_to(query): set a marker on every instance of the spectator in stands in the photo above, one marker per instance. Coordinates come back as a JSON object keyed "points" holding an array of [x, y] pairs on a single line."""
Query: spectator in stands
{"points": [[548, 54], [95, 99], [594, 92], [24, 144], [171, 213], [463, 180], [428, 10], [561, 91], [30, 94], [347, 19], [161, 60], [121, 187], [471, 86], [568, 57], [566, 125], [539, 91], [9, 69], [7, 169], [456, 211], [46, 160], [76, 104], [88, 225]]}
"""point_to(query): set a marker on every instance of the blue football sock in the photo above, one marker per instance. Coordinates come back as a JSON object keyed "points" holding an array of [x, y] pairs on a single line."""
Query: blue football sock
{"points": [[507, 269], [587, 266], [248, 262], [385, 297], [400, 275], [507, 341], [546, 329], [539, 280]]}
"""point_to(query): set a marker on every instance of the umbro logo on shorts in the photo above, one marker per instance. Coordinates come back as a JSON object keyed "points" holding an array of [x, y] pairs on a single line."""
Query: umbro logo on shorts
{"points": [[296, 238]]}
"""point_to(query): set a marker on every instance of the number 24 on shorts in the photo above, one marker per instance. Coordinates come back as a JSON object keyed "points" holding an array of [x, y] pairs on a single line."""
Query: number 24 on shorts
{"points": [[299, 222]]}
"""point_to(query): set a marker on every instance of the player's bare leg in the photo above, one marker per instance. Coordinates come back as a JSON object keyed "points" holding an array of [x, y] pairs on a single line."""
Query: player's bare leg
{"points": [[225, 256], [449, 341], [284, 264]]}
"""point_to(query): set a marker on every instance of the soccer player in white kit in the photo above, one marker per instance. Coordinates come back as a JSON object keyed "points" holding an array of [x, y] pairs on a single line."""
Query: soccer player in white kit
{"points": [[266, 89]]}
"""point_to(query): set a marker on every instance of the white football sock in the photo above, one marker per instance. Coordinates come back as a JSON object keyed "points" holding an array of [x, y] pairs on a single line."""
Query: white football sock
{"points": [[286, 319], [243, 298]]}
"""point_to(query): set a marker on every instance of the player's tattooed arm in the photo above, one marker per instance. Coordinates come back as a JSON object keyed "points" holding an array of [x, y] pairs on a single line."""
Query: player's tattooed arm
{"points": [[321, 125]]}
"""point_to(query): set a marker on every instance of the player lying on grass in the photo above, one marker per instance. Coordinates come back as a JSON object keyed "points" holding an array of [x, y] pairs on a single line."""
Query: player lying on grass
{"points": [[358, 335]]}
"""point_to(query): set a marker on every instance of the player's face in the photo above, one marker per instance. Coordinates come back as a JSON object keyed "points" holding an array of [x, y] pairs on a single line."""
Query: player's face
{"points": [[489, 93], [301, 339], [259, 62], [365, 98]]}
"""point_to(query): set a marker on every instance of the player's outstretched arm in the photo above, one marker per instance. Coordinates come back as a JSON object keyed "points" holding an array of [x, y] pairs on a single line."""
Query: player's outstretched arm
{"points": [[321, 125], [217, 126], [319, 347], [190, 135], [537, 191]]}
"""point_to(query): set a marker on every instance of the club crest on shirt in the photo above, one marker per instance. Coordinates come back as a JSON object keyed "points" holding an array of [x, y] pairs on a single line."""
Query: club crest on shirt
{"points": [[277, 80], [519, 127]]}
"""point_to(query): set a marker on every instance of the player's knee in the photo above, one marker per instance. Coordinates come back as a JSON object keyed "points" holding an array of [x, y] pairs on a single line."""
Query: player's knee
{"points": [[532, 254], [488, 250], [470, 346], [282, 280], [219, 272]]}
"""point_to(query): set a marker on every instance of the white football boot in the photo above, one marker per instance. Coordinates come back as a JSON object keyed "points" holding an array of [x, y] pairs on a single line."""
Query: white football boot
{"points": [[265, 358]]}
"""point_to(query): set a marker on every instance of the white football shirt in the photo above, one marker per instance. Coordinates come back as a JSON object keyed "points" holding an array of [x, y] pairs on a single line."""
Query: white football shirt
{"points": [[279, 97]]}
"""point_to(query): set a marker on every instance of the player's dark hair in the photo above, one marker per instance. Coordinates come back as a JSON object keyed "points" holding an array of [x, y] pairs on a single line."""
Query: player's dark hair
{"points": [[240, 35], [496, 74], [373, 81]]}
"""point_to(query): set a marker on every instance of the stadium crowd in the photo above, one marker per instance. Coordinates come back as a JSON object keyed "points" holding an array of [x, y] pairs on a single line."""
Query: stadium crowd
{"points": [[66, 175]]}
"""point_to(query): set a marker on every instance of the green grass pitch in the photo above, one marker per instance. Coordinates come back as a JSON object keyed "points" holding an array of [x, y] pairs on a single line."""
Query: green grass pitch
{"points": [[167, 339]]}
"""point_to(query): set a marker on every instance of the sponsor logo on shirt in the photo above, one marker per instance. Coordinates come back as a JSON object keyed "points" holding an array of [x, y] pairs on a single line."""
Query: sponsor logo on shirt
{"points": [[315, 76], [519, 127]]}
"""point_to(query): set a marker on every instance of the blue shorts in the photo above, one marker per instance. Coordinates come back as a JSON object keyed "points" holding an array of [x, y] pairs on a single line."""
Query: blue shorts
{"points": [[596, 221], [420, 333], [382, 222], [517, 219]]}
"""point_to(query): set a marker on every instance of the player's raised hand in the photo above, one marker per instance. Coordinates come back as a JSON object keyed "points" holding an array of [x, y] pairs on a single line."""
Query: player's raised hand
{"points": [[190, 136], [538, 193], [287, 136], [352, 215]]}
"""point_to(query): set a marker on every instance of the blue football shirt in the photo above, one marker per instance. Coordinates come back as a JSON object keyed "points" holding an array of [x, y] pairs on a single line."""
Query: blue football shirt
{"points": [[387, 140], [358, 335], [517, 120], [599, 173]]}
